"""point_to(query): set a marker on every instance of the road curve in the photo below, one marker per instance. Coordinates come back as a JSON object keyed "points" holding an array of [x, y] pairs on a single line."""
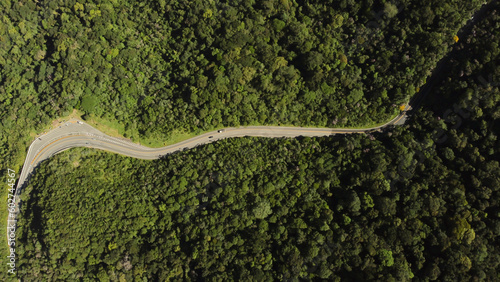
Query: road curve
{"points": [[79, 134], [75, 133]]}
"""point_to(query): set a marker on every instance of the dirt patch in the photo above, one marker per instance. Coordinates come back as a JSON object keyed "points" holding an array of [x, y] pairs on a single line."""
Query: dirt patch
{"points": [[55, 123], [60, 121]]}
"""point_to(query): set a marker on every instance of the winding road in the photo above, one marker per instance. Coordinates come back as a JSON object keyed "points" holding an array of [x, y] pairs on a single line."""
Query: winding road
{"points": [[76, 133]]}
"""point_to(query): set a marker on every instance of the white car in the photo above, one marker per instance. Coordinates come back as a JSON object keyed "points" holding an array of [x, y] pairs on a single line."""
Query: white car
{"points": [[220, 130]]}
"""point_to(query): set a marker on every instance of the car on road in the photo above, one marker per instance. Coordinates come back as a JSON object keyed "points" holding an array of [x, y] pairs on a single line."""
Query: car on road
{"points": [[210, 137], [220, 130]]}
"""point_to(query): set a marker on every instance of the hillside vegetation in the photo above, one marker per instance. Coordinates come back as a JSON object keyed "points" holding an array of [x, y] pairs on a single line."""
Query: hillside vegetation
{"points": [[152, 70], [202, 64], [416, 202]]}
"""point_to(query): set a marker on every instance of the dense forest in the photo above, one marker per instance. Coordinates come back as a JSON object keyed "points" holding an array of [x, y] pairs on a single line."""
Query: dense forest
{"points": [[202, 64], [196, 65], [416, 202], [160, 67]]}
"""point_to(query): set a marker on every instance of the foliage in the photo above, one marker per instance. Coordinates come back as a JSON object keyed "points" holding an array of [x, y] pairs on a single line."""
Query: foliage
{"points": [[388, 206], [393, 208]]}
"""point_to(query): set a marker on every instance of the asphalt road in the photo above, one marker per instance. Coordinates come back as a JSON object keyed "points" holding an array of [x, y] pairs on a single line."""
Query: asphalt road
{"points": [[79, 134]]}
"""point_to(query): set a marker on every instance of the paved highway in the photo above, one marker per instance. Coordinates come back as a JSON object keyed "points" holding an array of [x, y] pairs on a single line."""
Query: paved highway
{"points": [[79, 134], [75, 133]]}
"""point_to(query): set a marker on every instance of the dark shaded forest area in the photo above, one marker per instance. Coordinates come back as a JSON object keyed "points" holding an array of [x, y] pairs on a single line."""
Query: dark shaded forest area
{"points": [[415, 202]]}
